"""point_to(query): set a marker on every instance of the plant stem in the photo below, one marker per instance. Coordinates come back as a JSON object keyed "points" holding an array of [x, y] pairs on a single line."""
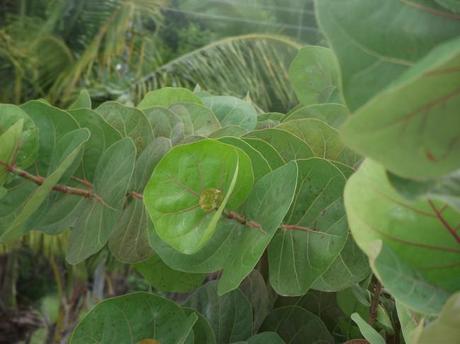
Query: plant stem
{"points": [[375, 300]]}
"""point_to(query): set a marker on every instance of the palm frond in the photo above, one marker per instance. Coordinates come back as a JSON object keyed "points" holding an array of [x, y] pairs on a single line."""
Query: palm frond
{"points": [[255, 65]]}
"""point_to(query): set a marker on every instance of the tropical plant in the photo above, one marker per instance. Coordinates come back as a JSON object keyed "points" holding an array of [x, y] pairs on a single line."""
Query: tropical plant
{"points": [[266, 222]]}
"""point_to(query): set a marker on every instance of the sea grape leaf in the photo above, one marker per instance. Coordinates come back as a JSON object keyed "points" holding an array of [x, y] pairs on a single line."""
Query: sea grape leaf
{"points": [[269, 152], [225, 244], [83, 100], [371, 58], [267, 205], [168, 96], [314, 75], [202, 331], [230, 315], [411, 323], [27, 148], [257, 293], [299, 255], [129, 241], [210, 258], [131, 318], [260, 165], [190, 187], [263, 338], [350, 267], [287, 144], [198, 120], [269, 120], [128, 121], [400, 127], [333, 114], [231, 130], [98, 215], [166, 124], [232, 111], [419, 259], [446, 328], [9, 141], [445, 188], [323, 140], [73, 143], [368, 332], [297, 325], [163, 278], [103, 135]]}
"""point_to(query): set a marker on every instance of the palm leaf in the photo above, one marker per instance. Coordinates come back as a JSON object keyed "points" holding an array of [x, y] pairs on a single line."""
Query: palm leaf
{"points": [[255, 65]]}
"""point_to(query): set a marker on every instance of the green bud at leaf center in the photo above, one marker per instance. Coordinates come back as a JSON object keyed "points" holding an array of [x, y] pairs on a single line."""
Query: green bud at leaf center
{"points": [[210, 199]]}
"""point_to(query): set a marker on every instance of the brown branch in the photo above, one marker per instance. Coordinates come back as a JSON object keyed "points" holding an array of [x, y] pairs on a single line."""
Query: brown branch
{"points": [[39, 180], [375, 300], [297, 228], [136, 195], [444, 222]]}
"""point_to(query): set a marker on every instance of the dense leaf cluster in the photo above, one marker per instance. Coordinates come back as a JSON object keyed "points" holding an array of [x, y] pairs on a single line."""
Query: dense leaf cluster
{"points": [[189, 186]]}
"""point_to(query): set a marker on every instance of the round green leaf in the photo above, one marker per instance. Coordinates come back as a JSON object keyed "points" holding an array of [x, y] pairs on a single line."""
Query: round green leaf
{"points": [[419, 261], [332, 114], [168, 96], [191, 186], [131, 318]]}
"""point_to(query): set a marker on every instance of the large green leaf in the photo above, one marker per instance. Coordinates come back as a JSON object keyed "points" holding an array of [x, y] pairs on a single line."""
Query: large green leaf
{"points": [[131, 318], [419, 261], [300, 255], [168, 96], [129, 241], [371, 58], [103, 135], [288, 145], [128, 121], [52, 123], [68, 148], [323, 140], [99, 214], [230, 315], [258, 295], [163, 278], [446, 328], [401, 127], [350, 267], [25, 150], [267, 205], [445, 188], [197, 119], [297, 326], [232, 111], [9, 141], [225, 244], [269, 152], [260, 165], [314, 74], [166, 124], [189, 189], [451, 5], [332, 114]]}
